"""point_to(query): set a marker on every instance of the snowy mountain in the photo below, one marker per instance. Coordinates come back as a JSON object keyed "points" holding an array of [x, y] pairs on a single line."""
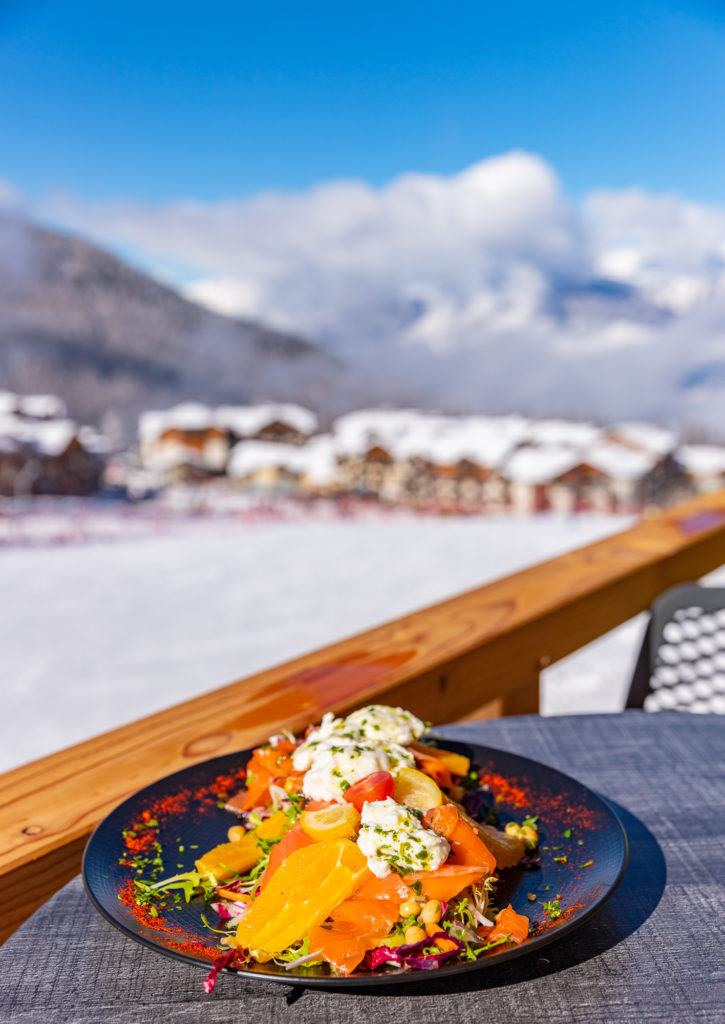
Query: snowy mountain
{"points": [[488, 290], [78, 322]]}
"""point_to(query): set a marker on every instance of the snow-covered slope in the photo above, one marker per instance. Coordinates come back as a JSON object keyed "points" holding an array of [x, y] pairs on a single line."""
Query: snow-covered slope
{"points": [[102, 633]]}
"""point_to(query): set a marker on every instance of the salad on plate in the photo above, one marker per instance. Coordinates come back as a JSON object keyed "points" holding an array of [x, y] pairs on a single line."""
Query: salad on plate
{"points": [[356, 847]]}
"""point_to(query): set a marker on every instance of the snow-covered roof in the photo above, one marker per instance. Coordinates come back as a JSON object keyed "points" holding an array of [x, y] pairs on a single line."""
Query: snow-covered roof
{"points": [[248, 420], [646, 436], [702, 460], [619, 463], [562, 433], [50, 437], [245, 420], [41, 407], [540, 465], [359, 431], [444, 440], [315, 460], [186, 416]]}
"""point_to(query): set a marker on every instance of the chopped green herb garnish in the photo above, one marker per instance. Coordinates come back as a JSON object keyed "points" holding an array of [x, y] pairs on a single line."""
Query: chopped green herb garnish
{"points": [[552, 908]]}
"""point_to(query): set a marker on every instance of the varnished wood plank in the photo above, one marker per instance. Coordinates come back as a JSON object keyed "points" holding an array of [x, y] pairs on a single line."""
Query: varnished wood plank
{"points": [[475, 654]]}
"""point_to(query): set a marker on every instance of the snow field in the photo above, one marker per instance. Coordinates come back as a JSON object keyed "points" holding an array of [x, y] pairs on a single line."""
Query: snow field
{"points": [[98, 634]]}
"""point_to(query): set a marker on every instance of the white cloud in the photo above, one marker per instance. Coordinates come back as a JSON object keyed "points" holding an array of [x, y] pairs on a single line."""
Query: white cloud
{"points": [[480, 288]]}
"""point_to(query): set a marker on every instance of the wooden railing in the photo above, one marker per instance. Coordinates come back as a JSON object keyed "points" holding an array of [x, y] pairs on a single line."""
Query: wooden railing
{"points": [[474, 656]]}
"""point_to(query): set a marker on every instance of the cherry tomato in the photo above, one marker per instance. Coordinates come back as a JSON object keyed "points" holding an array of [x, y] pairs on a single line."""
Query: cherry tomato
{"points": [[377, 786]]}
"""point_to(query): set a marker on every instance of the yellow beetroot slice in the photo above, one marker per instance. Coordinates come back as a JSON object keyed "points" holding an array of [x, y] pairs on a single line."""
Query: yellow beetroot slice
{"points": [[302, 893]]}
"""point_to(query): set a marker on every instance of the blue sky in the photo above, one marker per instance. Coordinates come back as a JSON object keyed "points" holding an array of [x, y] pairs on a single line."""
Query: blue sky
{"points": [[156, 101]]}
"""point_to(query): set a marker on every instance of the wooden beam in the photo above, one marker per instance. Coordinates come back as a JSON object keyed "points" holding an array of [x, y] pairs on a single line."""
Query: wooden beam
{"points": [[475, 655]]}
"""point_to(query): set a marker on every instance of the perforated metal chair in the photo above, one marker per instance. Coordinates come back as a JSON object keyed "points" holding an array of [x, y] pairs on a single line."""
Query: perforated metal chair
{"points": [[681, 666]]}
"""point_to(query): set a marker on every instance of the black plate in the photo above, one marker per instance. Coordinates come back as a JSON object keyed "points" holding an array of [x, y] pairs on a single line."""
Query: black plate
{"points": [[185, 805]]}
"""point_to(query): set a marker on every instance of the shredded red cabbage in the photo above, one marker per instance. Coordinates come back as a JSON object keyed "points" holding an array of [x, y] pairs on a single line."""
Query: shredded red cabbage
{"points": [[230, 911], [219, 964], [407, 956], [431, 961], [475, 803], [530, 862]]}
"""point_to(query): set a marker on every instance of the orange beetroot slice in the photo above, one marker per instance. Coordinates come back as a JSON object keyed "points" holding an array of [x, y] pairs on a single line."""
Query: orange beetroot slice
{"points": [[447, 881]]}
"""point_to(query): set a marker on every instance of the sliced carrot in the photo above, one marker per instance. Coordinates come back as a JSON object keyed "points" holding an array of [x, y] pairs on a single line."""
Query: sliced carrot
{"points": [[510, 924], [456, 764], [229, 894], [434, 767], [443, 943], [447, 881], [392, 888], [293, 840], [357, 926]]}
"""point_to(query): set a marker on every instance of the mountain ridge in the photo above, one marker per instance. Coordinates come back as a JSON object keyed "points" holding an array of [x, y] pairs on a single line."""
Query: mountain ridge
{"points": [[112, 341]]}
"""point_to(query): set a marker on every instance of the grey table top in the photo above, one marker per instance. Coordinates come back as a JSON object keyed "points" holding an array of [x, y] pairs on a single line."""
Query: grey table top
{"points": [[653, 953]]}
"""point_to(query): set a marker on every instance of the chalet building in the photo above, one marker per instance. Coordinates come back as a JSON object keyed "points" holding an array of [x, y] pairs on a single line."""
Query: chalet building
{"points": [[265, 466], [374, 472], [194, 437], [535, 479], [49, 457], [186, 436], [273, 467], [704, 466], [276, 422], [608, 478]]}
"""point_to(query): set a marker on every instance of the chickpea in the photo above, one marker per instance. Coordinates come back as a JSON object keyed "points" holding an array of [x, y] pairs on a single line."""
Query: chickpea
{"points": [[235, 833], [526, 832], [530, 836], [414, 934], [431, 912], [408, 908]]}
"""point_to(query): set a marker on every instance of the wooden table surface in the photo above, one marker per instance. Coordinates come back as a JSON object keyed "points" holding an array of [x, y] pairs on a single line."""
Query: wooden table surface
{"points": [[653, 953]]}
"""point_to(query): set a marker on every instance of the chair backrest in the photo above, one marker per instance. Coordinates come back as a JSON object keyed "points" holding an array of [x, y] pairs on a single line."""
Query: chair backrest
{"points": [[681, 665]]}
